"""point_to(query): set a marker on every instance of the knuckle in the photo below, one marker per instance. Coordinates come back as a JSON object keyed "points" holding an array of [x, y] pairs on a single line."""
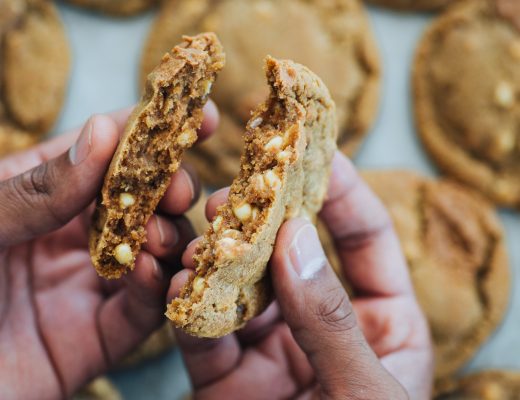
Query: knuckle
{"points": [[335, 312]]}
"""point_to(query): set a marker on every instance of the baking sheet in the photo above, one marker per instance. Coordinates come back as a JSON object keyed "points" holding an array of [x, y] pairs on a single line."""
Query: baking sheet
{"points": [[106, 54]]}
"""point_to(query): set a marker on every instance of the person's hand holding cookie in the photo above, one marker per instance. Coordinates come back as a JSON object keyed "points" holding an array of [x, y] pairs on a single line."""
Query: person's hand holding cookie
{"points": [[315, 341], [60, 324]]}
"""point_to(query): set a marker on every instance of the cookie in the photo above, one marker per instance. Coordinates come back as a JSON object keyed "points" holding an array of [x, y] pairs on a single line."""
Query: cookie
{"points": [[159, 342], [34, 70], [158, 132], [455, 248], [116, 7], [412, 5], [467, 97], [99, 389], [484, 385], [289, 143], [333, 38]]}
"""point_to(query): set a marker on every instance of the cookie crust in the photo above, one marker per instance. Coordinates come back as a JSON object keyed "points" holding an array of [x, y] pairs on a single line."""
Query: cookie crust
{"points": [[455, 248], [333, 38], [34, 70], [466, 84], [413, 5], [120, 8], [485, 385], [158, 132], [289, 145]]}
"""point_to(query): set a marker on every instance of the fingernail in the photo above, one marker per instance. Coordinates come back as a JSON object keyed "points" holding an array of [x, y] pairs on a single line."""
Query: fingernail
{"points": [[80, 150], [157, 270], [168, 237], [306, 253]]}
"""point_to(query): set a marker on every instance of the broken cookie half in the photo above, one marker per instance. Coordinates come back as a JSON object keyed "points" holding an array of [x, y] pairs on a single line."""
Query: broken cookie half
{"points": [[289, 144], [160, 129]]}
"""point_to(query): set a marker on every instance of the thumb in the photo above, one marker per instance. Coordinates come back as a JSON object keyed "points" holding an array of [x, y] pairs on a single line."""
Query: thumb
{"points": [[321, 318], [50, 195]]}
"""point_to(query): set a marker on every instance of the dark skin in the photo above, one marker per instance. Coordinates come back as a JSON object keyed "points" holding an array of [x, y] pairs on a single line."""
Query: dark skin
{"points": [[313, 342], [61, 325]]}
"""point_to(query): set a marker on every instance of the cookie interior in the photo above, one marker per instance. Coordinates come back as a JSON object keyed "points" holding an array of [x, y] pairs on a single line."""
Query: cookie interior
{"points": [[157, 134]]}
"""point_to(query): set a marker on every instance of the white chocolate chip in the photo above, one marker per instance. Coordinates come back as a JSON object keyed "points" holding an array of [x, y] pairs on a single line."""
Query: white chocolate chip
{"points": [[514, 49], [272, 180], [206, 86], [505, 142], [230, 232], [283, 156], [259, 183], [275, 143], [217, 223], [256, 122], [504, 95], [123, 254], [198, 285], [264, 9], [186, 138], [126, 200], [255, 213], [243, 212]]}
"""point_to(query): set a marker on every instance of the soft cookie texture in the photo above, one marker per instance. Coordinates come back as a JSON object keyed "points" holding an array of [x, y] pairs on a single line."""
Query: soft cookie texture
{"points": [[455, 248], [467, 96], [482, 385], [160, 129], [116, 7], [289, 144], [413, 5], [34, 70], [333, 38]]}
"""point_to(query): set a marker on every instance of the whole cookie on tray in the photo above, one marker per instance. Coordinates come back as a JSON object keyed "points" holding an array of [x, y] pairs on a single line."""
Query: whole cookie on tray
{"points": [[333, 38], [413, 5], [454, 245], [482, 385], [467, 96], [34, 70], [158, 132], [117, 7], [289, 144]]}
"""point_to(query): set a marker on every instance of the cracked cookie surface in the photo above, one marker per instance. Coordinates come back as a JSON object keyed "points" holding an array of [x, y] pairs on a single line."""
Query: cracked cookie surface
{"points": [[454, 245], [289, 144], [117, 7], [333, 38], [413, 5], [467, 97], [34, 70], [158, 132], [483, 385]]}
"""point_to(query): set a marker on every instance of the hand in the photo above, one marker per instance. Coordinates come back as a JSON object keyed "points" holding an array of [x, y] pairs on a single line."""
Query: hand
{"points": [[61, 325], [314, 342]]}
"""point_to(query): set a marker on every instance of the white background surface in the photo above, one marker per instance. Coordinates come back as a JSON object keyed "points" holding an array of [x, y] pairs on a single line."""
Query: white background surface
{"points": [[106, 54]]}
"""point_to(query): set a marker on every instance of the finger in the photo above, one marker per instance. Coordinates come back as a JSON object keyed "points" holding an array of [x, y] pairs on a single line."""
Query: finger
{"points": [[182, 193], [43, 152], [134, 312], [363, 233], [215, 200], [187, 257], [49, 195], [167, 239], [259, 327], [206, 360], [210, 121], [320, 315]]}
